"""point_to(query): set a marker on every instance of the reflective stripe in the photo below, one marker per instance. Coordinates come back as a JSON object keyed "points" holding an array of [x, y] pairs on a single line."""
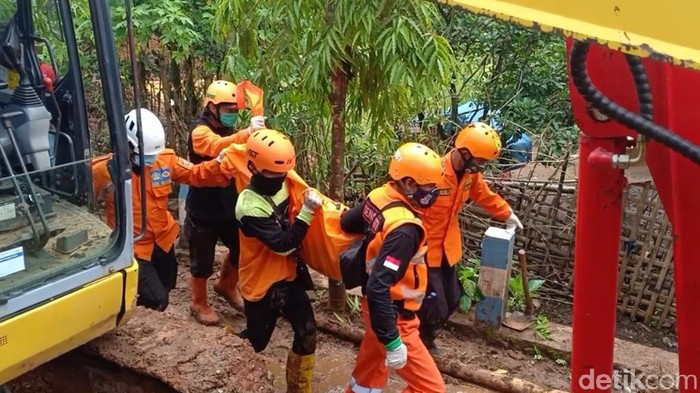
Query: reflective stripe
{"points": [[357, 388], [412, 294]]}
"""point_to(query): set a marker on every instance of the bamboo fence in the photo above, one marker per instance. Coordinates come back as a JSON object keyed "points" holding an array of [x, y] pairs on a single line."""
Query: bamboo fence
{"points": [[548, 211]]}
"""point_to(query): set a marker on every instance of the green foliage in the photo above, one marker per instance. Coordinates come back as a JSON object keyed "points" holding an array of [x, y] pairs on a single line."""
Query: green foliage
{"points": [[541, 328], [468, 275], [516, 301], [394, 56]]}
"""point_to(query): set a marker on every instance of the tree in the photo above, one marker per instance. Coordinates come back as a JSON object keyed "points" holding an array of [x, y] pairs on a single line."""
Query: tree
{"points": [[363, 61]]}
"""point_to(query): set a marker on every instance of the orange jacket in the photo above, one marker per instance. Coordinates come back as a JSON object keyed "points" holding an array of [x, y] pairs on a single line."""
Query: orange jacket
{"points": [[442, 219], [161, 227], [411, 287], [207, 143], [325, 240]]}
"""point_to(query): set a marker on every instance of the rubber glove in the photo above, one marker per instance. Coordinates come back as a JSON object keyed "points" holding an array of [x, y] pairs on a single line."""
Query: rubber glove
{"points": [[397, 357], [312, 199], [512, 222], [257, 122]]}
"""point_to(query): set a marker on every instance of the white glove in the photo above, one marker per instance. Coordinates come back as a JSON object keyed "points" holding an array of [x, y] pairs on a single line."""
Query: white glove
{"points": [[512, 222], [221, 156], [312, 199], [257, 122], [397, 358]]}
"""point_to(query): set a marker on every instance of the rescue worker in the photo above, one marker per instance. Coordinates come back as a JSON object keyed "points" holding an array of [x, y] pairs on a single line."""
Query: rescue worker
{"points": [[397, 274], [272, 228], [155, 251], [475, 145], [210, 210]]}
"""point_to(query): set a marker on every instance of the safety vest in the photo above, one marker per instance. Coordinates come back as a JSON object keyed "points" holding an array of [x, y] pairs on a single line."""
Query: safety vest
{"points": [[411, 287], [442, 219], [259, 266]]}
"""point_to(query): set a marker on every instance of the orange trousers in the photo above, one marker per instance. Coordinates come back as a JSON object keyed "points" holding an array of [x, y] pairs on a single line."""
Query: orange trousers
{"points": [[371, 373]]}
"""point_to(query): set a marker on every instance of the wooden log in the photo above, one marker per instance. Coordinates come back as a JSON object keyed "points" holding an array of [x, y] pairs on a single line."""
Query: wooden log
{"points": [[451, 367]]}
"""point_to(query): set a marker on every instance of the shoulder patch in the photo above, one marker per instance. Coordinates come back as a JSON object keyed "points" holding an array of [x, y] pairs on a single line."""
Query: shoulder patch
{"points": [[160, 176], [182, 163], [467, 183]]}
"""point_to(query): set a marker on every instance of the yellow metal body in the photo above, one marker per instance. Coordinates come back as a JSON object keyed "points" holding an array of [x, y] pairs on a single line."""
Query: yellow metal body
{"points": [[664, 30], [41, 334]]}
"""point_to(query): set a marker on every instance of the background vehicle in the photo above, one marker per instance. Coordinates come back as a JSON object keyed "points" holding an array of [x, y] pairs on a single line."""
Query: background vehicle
{"points": [[65, 277]]}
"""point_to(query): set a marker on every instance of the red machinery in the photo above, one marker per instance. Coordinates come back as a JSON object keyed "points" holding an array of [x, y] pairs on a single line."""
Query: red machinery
{"points": [[671, 102]]}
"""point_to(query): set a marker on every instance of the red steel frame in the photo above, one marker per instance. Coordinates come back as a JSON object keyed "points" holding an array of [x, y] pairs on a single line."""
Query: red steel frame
{"points": [[676, 92]]}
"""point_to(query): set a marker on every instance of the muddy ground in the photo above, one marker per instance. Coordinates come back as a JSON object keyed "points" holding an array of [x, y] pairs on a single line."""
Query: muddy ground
{"points": [[664, 337], [177, 355]]}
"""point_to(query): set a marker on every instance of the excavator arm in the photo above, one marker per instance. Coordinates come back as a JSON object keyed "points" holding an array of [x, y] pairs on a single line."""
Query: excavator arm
{"points": [[658, 29]]}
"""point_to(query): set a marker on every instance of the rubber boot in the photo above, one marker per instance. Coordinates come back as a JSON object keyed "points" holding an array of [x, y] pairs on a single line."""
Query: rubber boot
{"points": [[200, 308], [300, 372], [227, 285], [428, 336]]}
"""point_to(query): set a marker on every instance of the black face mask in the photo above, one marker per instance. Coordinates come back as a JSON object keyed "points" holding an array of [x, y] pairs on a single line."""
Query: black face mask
{"points": [[266, 185], [424, 198]]}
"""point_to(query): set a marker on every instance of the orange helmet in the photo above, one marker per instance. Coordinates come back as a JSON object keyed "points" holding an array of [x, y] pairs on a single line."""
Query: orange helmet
{"points": [[481, 141], [417, 161], [270, 150], [220, 92]]}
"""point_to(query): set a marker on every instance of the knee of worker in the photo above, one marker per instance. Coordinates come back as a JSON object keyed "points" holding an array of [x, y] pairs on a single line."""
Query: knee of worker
{"points": [[305, 339], [154, 302], [200, 269]]}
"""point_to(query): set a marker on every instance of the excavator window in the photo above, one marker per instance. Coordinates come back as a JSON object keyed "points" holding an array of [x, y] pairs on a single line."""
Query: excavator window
{"points": [[55, 175]]}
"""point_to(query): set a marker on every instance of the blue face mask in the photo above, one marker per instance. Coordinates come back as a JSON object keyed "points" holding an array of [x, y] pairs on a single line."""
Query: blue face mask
{"points": [[228, 119], [148, 160]]}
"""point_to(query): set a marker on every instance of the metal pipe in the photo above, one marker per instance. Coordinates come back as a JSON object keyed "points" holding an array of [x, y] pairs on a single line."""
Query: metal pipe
{"points": [[42, 217], [598, 225], [20, 194]]}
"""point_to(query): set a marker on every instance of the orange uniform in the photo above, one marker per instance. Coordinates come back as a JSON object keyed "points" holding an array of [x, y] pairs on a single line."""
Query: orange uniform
{"points": [[399, 233], [161, 227], [442, 219]]}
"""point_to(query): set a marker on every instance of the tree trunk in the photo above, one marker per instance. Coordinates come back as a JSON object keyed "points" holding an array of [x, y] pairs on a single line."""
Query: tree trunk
{"points": [[339, 79], [166, 94]]}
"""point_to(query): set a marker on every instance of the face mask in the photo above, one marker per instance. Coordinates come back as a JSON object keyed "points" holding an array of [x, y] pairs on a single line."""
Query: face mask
{"points": [[266, 185], [425, 198], [148, 159], [228, 119]]}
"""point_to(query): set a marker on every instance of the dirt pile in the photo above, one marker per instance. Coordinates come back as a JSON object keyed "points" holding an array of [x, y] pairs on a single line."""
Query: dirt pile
{"points": [[184, 355]]}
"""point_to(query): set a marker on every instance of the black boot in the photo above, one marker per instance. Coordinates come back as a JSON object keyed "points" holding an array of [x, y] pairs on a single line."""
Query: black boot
{"points": [[428, 334]]}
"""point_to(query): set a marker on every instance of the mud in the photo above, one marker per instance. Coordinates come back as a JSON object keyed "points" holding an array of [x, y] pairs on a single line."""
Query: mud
{"points": [[170, 352], [79, 372]]}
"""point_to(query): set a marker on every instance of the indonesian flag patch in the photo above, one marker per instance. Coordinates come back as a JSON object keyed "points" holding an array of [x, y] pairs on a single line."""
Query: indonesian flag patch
{"points": [[392, 263]]}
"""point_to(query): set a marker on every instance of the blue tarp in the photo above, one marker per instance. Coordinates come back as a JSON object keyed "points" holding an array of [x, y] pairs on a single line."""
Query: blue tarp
{"points": [[517, 150]]}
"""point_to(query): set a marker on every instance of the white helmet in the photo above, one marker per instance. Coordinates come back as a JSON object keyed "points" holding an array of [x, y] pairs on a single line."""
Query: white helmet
{"points": [[153, 132]]}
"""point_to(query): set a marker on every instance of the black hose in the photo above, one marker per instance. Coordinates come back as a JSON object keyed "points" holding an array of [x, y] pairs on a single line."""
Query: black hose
{"points": [[641, 82], [642, 124]]}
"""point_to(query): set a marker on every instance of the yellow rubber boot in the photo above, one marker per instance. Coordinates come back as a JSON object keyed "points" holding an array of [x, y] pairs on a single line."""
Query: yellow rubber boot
{"points": [[227, 285], [300, 372]]}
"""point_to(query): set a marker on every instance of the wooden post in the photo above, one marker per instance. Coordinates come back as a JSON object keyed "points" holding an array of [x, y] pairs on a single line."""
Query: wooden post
{"points": [[496, 260]]}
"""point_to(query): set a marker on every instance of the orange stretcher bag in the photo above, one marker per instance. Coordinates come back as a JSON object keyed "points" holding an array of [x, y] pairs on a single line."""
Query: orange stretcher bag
{"points": [[324, 241]]}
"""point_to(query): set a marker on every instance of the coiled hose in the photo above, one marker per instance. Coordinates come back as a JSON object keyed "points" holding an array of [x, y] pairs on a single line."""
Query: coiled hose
{"points": [[642, 123]]}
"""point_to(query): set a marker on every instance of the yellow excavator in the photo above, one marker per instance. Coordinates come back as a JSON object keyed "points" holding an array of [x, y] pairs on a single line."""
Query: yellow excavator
{"points": [[66, 278]]}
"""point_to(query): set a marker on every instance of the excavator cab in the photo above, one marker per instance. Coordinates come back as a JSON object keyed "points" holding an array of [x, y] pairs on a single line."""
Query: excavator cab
{"points": [[60, 263]]}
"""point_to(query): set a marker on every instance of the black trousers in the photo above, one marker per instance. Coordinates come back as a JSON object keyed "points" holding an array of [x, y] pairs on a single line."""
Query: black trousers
{"points": [[441, 300], [157, 278], [289, 299], [203, 236]]}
